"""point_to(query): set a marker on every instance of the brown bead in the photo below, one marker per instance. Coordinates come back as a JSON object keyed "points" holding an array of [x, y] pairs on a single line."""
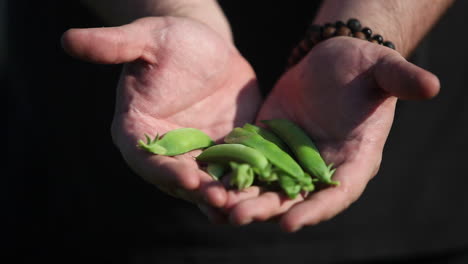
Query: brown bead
{"points": [[374, 41], [343, 31], [298, 53], [295, 53], [315, 37], [306, 44], [292, 61], [328, 32], [360, 35]]}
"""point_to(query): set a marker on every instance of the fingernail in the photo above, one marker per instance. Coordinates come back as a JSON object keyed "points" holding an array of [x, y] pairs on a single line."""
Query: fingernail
{"points": [[213, 217], [215, 198], [290, 228], [206, 198], [295, 228], [239, 222]]}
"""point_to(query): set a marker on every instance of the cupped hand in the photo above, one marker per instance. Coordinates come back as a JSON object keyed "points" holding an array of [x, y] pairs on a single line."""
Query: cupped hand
{"points": [[177, 73], [343, 93]]}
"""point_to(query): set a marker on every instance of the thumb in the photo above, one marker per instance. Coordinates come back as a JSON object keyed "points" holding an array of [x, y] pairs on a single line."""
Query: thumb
{"points": [[405, 80], [110, 45]]}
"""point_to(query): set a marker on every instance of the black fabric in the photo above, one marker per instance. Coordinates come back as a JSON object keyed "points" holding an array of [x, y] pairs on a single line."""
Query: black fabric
{"points": [[70, 197]]}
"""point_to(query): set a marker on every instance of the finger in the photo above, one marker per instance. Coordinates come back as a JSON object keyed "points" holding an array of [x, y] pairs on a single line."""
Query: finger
{"points": [[179, 175], [184, 178], [234, 197], [213, 214], [327, 203], [169, 172], [261, 208], [112, 45], [174, 174], [212, 192], [405, 80]]}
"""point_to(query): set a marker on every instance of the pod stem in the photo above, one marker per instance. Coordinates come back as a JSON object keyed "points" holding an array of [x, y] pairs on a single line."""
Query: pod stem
{"points": [[331, 172], [152, 145]]}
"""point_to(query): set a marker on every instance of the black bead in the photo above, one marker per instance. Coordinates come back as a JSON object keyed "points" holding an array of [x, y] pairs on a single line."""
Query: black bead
{"points": [[378, 38], [389, 44], [339, 24], [354, 25], [328, 25], [314, 28], [367, 31]]}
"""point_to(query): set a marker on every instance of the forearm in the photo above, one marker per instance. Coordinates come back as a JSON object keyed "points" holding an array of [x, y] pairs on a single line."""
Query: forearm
{"points": [[119, 12], [403, 22]]}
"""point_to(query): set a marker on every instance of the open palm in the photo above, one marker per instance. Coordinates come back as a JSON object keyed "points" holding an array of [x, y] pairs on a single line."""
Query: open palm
{"points": [[178, 73], [343, 93]]}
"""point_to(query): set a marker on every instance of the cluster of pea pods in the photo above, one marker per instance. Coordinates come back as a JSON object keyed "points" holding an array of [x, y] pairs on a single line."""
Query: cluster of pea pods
{"points": [[281, 156]]}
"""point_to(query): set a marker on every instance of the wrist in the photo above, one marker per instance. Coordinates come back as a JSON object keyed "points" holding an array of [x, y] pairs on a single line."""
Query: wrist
{"points": [[377, 33], [318, 33], [120, 12], [405, 23], [207, 12]]}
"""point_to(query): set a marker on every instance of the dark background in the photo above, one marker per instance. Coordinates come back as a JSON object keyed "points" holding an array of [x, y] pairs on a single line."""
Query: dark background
{"points": [[68, 196]]}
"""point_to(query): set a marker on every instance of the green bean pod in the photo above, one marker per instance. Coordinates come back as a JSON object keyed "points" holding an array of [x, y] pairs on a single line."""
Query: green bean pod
{"points": [[304, 149], [266, 134], [176, 142], [271, 151], [225, 153]]}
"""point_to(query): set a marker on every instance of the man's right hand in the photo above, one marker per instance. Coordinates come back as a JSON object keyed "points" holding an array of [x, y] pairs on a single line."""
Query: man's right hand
{"points": [[178, 73]]}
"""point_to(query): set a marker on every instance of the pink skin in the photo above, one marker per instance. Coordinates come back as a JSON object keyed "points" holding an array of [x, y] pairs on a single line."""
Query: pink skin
{"points": [[177, 73], [343, 93]]}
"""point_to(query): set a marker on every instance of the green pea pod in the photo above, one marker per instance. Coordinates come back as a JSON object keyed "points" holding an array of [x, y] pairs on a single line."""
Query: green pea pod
{"points": [[242, 175], [225, 153], [292, 186], [267, 175], [216, 170], [176, 142], [289, 185], [307, 183], [271, 151], [304, 149], [267, 135]]}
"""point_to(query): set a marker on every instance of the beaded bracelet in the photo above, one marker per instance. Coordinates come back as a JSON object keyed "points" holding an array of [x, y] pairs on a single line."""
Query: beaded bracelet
{"points": [[317, 33]]}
